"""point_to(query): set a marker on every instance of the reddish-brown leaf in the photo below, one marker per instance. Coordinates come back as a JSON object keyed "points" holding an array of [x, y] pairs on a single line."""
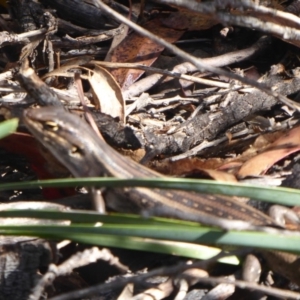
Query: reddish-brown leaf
{"points": [[138, 49], [287, 144]]}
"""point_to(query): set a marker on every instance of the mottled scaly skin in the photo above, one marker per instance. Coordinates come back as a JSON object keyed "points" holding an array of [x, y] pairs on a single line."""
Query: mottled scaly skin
{"points": [[86, 155]]}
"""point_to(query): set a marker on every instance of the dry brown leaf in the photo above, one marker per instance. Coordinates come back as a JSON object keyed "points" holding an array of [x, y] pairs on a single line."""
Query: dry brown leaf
{"points": [[232, 165], [184, 166], [287, 144], [139, 49], [107, 93]]}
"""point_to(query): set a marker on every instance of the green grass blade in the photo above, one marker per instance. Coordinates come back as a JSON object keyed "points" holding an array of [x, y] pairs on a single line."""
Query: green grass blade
{"points": [[188, 234], [77, 216], [275, 195], [8, 127]]}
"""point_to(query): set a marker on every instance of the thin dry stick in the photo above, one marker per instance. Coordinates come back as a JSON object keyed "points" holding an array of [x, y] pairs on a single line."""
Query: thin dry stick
{"points": [[163, 72], [78, 260], [12, 38]]}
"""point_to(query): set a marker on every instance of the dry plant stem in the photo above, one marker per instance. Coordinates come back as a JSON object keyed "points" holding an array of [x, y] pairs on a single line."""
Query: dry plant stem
{"points": [[174, 271], [217, 61], [163, 72], [11, 38], [286, 33], [11, 89], [166, 103], [211, 7], [48, 48], [195, 61], [93, 51], [82, 41], [80, 259], [222, 290], [270, 11], [259, 8], [172, 74], [215, 8]]}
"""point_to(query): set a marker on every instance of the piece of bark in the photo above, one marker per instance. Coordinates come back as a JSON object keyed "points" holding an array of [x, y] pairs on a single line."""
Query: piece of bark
{"points": [[23, 258]]}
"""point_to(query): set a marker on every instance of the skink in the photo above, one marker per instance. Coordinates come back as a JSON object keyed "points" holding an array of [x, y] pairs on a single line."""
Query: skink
{"points": [[81, 151]]}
